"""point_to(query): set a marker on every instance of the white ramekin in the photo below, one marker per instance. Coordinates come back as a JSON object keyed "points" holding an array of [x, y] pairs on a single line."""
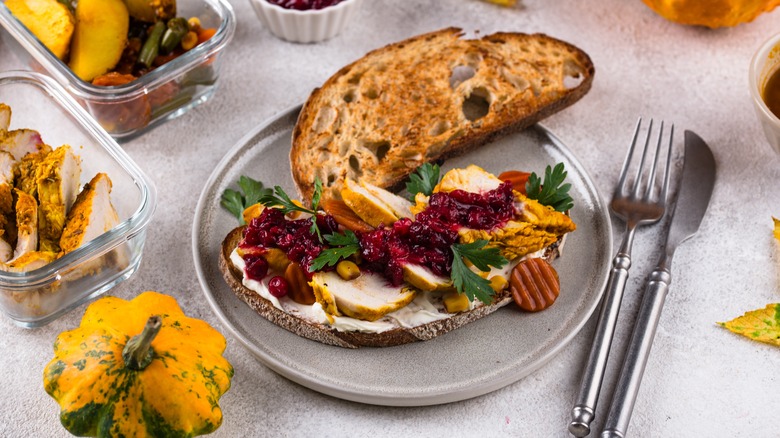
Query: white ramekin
{"points": [[309, 26]]}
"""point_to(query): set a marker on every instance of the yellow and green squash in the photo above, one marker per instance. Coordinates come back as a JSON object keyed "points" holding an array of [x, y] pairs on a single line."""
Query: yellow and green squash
{"points": [[139, 368]]}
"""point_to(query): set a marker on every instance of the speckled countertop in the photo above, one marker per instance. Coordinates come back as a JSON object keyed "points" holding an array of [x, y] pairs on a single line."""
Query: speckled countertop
{"points": [[700, 380]]}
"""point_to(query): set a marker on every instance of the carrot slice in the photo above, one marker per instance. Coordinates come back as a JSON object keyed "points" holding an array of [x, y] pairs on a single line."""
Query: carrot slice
{"points": [[517, 178], [534, 285], [205, 34]]}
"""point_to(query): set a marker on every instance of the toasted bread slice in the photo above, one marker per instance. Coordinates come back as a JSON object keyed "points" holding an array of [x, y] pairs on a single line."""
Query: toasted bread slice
{"points": [[430, 97], [349, 339]]}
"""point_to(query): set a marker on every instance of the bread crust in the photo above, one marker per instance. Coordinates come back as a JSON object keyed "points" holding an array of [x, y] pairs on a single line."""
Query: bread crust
{"points": [[327, 335], [387, 113]]}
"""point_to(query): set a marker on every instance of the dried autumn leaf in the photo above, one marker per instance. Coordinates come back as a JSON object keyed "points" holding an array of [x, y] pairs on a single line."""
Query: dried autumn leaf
{"points": [[507, 3], [761, 325], [777, 227]]}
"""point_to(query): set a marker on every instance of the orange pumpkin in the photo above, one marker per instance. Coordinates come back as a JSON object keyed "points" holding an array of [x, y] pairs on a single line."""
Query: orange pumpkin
{"points": [[711, 13]]}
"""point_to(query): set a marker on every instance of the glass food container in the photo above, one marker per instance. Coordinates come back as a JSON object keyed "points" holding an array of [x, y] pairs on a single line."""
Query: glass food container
{"points": [[165, 93], [37, 297]]}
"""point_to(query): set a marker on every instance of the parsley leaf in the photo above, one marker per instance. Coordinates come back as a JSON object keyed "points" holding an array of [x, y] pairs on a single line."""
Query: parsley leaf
{"points": [[344, 245], [253, 190], [464, 279], [552, 191], [337, 239], [236, 202], [315, 198], [423, 180], [279, 199], [233, 202]]}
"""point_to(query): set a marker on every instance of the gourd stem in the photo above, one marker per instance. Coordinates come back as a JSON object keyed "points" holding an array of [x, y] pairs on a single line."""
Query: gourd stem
{"points": [[138, 353]]}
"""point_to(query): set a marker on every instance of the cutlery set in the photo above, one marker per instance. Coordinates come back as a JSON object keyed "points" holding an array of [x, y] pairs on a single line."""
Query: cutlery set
{"points": [[644, 203]]}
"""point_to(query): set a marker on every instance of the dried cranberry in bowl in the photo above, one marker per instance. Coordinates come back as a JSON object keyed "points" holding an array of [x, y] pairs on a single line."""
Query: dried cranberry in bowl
{"points": [[303, 5]]}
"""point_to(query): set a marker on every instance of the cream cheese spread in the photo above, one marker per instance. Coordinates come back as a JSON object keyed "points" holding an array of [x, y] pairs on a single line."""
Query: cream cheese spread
{"points": [[421, 310]]}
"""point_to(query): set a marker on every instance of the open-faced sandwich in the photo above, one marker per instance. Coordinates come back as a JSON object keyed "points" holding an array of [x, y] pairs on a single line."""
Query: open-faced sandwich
{"points": [[353, 263], [376, 269]]}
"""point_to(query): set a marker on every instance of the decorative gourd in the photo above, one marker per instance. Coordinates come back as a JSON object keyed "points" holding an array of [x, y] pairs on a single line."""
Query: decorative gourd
{"points": [[139, 368], [711, 13]]}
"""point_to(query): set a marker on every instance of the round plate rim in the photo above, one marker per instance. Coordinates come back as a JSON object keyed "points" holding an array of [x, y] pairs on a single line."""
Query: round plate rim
{"points": [[423, 398]]}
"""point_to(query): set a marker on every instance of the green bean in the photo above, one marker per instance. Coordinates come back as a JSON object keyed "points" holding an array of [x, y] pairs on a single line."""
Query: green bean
{"points": [[152, 45], [177, 28]]}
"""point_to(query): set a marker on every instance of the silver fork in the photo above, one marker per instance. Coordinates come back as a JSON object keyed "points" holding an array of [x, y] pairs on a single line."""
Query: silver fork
{"points": [[643, 204]]}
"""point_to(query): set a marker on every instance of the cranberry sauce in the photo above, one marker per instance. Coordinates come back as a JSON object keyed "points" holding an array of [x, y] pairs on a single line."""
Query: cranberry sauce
{"points": [[426, 241], [272, 230], [303, 5]]}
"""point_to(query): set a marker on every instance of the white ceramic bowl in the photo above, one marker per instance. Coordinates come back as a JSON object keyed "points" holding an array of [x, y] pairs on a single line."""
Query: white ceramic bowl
{"points": [[308, 26], [765, 62]]}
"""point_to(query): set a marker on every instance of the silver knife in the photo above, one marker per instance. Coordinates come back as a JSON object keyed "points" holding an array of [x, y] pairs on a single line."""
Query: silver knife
{"points": [[698, 179]]}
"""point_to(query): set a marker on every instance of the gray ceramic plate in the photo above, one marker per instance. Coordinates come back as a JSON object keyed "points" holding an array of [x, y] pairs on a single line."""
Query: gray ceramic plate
{"points": [[478, 358]]}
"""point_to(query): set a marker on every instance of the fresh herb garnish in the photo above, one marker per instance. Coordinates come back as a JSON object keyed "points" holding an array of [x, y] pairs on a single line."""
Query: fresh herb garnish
{"points": [[343, 246], [467, 281], [279, 199], [317, 195], [552, 191], [423, 180], [236, 202]]}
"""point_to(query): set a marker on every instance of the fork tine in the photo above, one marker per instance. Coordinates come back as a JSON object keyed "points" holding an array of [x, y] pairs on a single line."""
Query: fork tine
{"points": [[667, 172], [621, 184], [651, 179], [638, 179]]}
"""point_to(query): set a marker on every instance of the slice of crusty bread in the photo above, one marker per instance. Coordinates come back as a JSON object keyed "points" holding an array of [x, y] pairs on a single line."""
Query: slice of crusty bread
{"points": [[427, 98], [327, 335]]}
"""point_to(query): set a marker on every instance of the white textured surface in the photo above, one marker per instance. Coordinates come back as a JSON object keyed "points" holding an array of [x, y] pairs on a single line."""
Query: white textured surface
{"points": [[700, 381]]}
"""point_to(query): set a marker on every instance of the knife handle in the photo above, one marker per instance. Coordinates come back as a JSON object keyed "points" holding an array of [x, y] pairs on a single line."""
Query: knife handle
{"points": [[585, 407], [637, 354]]}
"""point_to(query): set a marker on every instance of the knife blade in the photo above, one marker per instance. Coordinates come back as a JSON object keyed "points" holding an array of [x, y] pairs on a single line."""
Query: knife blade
{"points": [[694, 194], [693, 197]]}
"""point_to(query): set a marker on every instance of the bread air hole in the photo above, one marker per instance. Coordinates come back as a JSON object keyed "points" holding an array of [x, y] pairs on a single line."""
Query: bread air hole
{"points": [[325, 117], [476, 105], [354, 163], [439, 128], [344, 148], [378, 148], [461, 73], [355, 79], [570, 82], [518, 82], [372, 93], [331, 180], [349, 96], [572, 74]]}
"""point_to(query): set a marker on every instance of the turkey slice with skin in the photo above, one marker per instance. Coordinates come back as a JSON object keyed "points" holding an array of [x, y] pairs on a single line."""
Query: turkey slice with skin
{"points": [[58, 177], [92, 214]]}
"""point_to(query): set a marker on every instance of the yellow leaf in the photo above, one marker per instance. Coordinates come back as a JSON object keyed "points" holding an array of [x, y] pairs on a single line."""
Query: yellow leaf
{"points": [[507, 3], [761, 325], [777, 227]]}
